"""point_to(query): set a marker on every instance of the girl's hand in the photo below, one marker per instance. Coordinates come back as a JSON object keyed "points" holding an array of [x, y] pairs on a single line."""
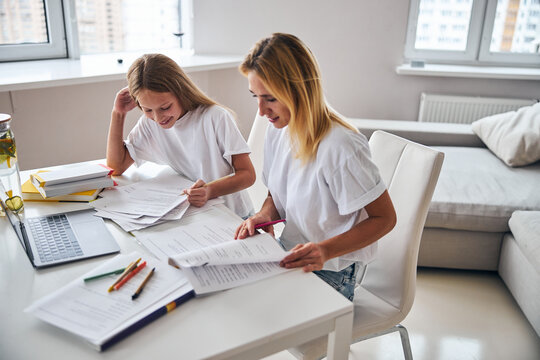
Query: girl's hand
{"points": [[123, 102], [247, 228], [309, 256], [198, 193]]}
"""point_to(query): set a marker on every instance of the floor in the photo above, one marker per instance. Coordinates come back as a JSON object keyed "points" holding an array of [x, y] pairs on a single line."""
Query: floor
{"points": [[457, 315]]}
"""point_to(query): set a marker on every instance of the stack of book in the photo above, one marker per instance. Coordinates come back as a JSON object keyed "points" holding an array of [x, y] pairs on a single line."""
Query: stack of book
{"points": [[70, 183]]}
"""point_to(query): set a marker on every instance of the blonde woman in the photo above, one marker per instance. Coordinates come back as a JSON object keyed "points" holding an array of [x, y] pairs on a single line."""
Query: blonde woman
{"points": [[317, 169], [183, 128]]}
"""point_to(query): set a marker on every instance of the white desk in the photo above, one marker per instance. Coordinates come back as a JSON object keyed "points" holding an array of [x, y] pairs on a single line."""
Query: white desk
{"points": [[247, 322]]}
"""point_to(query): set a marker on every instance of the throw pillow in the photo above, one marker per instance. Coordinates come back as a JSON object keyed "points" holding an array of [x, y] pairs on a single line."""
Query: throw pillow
{"points": [[514, 136]]}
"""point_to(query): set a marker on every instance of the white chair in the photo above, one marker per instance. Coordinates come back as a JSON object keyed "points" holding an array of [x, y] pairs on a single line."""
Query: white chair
{"points": [[385, 295], [257, 192]]}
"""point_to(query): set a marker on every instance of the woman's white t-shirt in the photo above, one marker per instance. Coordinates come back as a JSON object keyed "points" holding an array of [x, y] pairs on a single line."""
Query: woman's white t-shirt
{"points": [[326, 196], [200, 145]]}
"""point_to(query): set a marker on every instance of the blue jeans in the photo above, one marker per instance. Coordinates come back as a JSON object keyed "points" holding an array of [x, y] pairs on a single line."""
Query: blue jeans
{"points": [[343, 281]]}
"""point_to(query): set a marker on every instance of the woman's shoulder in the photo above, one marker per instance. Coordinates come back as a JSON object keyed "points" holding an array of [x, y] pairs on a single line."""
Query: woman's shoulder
{"points": [[214, 111], [341, 144]]}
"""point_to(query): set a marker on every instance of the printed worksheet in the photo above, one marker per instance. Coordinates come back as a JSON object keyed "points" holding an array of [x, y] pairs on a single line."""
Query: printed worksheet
{"points": [[88, 309]]}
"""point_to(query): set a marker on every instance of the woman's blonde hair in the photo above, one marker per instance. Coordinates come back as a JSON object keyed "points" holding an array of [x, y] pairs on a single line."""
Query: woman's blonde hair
{"points": [[289, 71], [159, 73]]}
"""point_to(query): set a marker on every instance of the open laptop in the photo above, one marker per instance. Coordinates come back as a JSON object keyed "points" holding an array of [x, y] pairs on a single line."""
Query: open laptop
{"points": [[65, 237]]}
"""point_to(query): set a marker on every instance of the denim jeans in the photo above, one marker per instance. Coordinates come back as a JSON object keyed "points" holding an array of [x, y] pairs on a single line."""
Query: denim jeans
{"points": [[343, 281]]}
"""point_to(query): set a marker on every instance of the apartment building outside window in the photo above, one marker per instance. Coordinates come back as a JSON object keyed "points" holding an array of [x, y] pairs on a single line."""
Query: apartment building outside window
{"points": [[34, 29], [481, 32]]}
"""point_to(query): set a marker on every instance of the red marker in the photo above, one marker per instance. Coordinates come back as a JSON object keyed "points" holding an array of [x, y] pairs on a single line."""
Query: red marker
{"points": [[129, 276], [258, 226]]}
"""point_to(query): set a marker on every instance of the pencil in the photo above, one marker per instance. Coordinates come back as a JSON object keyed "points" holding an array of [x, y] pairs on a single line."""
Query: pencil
{"points": [[141, 287], [129, 268], [114, 272], [129, 276]]}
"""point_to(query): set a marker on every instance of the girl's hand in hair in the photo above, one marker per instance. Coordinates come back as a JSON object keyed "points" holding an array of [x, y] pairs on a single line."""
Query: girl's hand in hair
{"points": [[123, 102]]}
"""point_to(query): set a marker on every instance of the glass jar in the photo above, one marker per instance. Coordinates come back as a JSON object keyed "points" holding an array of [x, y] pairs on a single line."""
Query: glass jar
{"points": [[10, 181]]}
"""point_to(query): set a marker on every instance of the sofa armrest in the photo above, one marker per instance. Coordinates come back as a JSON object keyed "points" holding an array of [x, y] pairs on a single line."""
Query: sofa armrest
{"points": [[426, 133]]}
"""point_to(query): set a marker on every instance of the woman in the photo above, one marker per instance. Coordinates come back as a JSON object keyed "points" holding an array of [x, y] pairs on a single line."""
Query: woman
{"points": [[317, 169], [183, 128]]}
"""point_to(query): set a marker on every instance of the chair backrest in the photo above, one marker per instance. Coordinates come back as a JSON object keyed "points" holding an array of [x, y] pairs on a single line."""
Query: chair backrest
{"points": [[410, 172], [257, 192]]}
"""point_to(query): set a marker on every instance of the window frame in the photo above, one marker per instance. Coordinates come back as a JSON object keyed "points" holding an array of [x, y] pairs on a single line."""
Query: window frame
{"points": [[54, 48], [478, 41], [61, 18]]}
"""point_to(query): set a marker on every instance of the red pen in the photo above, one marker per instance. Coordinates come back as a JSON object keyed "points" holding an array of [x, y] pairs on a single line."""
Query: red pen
{"points": [[129, 276], [258, 226]]}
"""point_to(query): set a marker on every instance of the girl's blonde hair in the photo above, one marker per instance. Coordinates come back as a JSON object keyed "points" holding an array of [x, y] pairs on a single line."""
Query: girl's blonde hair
{"points": [[289, 71], [159, 73]]}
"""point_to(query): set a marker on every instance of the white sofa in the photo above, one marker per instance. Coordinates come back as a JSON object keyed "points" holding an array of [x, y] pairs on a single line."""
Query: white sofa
{"points": [[484, 214]]}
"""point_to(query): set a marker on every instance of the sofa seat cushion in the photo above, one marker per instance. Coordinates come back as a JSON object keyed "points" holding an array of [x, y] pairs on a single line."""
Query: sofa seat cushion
{"points": [[525, 226], [476, 191]]}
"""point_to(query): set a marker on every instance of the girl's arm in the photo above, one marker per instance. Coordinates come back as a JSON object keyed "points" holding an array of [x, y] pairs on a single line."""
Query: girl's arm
{"points": [[243, 177], [118, 157], [312, 256]]}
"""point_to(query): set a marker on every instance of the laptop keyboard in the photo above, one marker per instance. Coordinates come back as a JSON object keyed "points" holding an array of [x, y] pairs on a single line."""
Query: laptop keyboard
{"points": [[54, 238]]}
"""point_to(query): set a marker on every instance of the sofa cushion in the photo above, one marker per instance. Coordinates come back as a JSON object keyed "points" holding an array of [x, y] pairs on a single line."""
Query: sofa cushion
{"points": [[513, 136], [525, 226], [476, 191]]}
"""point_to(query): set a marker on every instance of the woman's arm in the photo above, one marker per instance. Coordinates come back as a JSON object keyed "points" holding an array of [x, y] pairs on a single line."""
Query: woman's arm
{"points": [[243, 177], [267, 213], [118, 157], [312, 256]]}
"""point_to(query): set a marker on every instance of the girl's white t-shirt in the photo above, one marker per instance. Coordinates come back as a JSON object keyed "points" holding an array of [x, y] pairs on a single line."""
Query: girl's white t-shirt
{"points": [[200, 145], [325, 197]]}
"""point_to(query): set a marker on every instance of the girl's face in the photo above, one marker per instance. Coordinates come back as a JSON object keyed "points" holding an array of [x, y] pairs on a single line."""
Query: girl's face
{"points": [[277, 113], [163, 108]]}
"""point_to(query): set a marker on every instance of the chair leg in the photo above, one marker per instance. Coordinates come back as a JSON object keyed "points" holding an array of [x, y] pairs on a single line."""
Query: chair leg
{"points": [[404, 335], [405, 343]]}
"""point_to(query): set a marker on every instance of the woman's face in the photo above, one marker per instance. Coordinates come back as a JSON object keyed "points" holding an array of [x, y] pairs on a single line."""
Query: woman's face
{"points": [[162, 107], [277, 113]]}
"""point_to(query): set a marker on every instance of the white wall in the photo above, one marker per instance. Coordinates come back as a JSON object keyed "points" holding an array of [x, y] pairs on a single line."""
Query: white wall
{"points": [[358, 44]]}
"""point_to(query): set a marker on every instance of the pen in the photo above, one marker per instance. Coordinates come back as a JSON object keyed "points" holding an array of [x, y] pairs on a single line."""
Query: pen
{"points": [[141, 287], [129, 268], [258, 226], [119, 271], [129, 276]]}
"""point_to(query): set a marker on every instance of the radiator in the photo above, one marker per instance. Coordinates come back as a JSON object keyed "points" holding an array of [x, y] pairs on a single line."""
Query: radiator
{"points": [[465, 109]]}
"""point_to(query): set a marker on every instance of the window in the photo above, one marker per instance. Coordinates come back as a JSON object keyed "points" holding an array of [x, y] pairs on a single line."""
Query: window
{"points": [[34, 29], [483, 32]]}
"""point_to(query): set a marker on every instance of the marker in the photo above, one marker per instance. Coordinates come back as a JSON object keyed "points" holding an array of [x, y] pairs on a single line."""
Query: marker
{"points": [[258, 226], [129, 268], [141, 287]]}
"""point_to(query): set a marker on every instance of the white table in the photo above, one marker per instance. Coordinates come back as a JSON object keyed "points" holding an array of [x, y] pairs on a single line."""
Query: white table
{"points": [[247, 322]]}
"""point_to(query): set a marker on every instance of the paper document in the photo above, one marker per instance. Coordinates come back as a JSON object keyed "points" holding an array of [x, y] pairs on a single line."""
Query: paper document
{"points": [[210, 239], [88, 310]]}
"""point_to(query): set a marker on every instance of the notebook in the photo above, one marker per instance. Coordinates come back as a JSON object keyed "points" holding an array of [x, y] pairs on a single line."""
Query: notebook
{"points": [[65, 237]]}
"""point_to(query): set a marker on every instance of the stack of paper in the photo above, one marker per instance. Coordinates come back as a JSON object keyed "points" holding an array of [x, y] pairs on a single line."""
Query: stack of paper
{"points": [[145, 203], [72, 179]]}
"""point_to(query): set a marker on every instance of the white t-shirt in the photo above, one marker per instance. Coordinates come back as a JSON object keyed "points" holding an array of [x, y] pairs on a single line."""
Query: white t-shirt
{"points": [[200, 145], [326, 196]]}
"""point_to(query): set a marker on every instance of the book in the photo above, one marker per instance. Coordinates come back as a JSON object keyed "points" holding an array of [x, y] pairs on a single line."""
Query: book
{"points": [[30, 193], [102, 318], [75, 186], [67, 174]]}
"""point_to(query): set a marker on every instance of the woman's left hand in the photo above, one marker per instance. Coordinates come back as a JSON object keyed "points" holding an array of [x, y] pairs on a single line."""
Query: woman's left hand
{"points": [[309, 256], [198, 193]]}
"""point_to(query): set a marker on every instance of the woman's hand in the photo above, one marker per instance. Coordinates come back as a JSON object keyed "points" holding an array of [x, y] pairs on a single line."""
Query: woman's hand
{"points": [[247, 228], [309, 256], [198, 194], [123, 102]]}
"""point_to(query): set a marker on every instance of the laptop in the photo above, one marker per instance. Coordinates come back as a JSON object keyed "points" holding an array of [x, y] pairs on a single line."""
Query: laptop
{"points": [[61, 238]]}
